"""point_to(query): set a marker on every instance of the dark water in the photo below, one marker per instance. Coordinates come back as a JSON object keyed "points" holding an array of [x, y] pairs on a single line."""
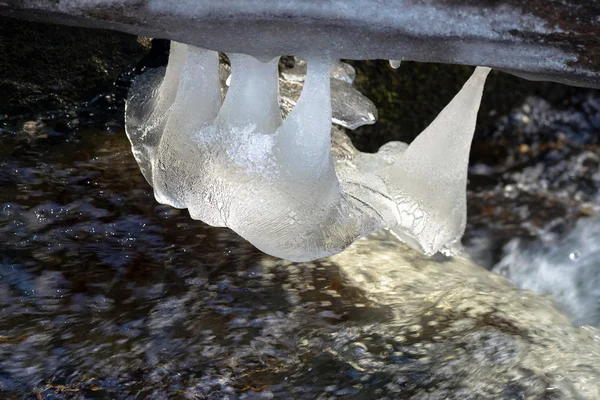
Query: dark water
{"points": [[534, 173], [106, 294]]}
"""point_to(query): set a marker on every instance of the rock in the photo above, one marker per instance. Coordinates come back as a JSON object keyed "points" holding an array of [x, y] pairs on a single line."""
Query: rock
{"points": [[46, 66], [539, 39]]}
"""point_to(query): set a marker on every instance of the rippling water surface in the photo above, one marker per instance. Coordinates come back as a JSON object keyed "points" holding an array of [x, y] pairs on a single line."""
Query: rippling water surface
{"points": [[106, 294]]}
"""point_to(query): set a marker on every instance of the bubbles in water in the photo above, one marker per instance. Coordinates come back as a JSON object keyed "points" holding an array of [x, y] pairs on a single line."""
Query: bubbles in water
{"points": [[574, 256], [566, 268]]}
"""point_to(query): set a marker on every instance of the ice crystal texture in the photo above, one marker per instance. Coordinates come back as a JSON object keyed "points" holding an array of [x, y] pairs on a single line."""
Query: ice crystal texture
{"points": [[237, 163]]}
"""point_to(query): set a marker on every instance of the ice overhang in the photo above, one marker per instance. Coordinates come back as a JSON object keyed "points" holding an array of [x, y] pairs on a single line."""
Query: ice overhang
{"points": [[555, 40]]}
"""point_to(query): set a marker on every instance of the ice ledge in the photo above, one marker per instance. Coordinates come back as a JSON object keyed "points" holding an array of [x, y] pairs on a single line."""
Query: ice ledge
{"points": [[537, 39]]}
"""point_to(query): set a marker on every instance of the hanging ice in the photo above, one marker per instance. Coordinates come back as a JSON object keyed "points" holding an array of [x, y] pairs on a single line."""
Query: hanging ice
{"points": [[237, 164], [395, 63]]}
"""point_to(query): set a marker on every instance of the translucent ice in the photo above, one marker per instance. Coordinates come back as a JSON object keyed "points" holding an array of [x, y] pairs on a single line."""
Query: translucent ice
{"points": [[275, 182], [349, 108]]}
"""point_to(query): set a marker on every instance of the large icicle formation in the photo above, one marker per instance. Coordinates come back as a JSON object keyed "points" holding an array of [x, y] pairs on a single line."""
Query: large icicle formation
{"points": [[235, 163]]}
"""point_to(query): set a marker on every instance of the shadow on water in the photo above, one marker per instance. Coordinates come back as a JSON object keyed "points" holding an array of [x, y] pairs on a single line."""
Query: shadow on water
{"points": [[106, 294]]}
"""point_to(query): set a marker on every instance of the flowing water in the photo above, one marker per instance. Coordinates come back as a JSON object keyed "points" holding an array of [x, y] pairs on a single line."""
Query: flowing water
{"points": [[106, 294]]}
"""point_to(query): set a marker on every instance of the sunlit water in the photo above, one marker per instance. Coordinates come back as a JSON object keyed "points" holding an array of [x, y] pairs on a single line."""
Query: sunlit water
{"points": [[106, 294], [567, 268], [534, 173]]}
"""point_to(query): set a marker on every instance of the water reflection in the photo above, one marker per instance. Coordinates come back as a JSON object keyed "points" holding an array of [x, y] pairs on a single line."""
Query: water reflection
{"points": [[105, 294]]}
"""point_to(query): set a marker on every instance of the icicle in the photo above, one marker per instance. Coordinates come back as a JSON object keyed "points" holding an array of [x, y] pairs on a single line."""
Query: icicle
{"points": [[428, 182], [252, 97], [147, 107], [179, 163], [304, 140], [275, 182], [296, 215]]}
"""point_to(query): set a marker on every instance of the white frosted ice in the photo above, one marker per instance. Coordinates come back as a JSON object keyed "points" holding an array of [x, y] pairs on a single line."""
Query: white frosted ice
{"points": [[275, 182]]}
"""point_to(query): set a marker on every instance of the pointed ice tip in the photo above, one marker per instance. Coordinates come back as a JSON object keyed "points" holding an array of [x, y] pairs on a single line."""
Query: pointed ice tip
{"points": [[480, 74], [429, 181]]}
